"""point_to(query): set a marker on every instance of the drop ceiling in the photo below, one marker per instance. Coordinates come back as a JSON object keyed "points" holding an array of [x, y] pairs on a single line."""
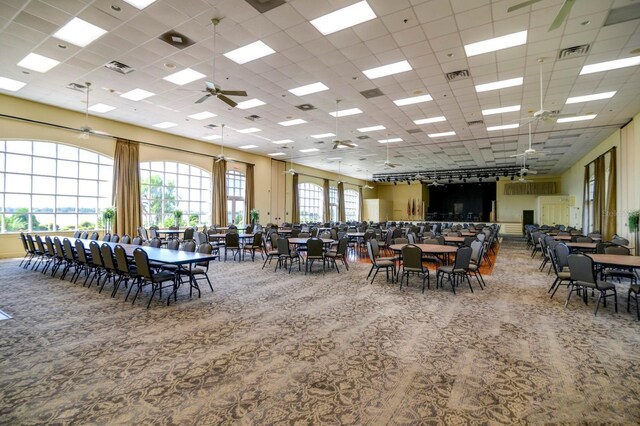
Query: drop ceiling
{"points": [[430, 35]]}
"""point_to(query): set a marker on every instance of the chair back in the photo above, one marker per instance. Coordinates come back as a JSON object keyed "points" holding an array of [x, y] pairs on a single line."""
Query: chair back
{"points": [[412, 257], [142, 263], [232, 240], [114, 238], [411, 237], [333, 233], [142, 232], [274, 240], [620, 241], [283, 246], [463, 258], [440, 239], [343, 244], [482, 237], [304, 235], [189, 246], [96, 253], [476, 251], [122, 264], [40, 244], [59, 249], [562, 256], [84, 235], [155, 242], [94, 236], [80, 253], [583, 239], [106, 237], [249, 229], [126, 239], [69, 254], [434, 241], [204, 248], [188, 233], [617, 250], [315, 247], [50, 247], [76, 234], [581, 268], [107, 257], [153, 232], [401, 241], [257, 240], [173, 244]]}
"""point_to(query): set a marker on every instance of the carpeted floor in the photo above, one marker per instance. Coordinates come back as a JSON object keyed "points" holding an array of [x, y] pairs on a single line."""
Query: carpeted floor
{"points": [[271, 348]]}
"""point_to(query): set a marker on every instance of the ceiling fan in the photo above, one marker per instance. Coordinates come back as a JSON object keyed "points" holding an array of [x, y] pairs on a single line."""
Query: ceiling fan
{"points": [[211, 89], [222, 157], [435, 183], [560, 17], [387, 163], [86, 131], [524, 171], [337, 142], [529, 151], [366, 184], [420, 177]]}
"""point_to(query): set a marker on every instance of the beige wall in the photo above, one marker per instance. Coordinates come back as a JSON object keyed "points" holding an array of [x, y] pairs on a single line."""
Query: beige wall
{"points": [[399, 195], [509, 207]]}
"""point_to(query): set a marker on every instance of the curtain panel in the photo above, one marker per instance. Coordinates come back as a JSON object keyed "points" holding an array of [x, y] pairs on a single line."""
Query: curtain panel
{"points": [[219, 193], [361, 206], [609, 218], [586, 217], [598, 194], [295, 202], [327, 196], [126, 188], [342, 217], [249, 194]]}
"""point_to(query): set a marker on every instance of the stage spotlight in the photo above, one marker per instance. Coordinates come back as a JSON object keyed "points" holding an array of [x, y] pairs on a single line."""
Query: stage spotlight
{"points": [[512, 177], [408, 182], [464, 180], [395, 183], [450, 180], [497, 178], [480, 179]]}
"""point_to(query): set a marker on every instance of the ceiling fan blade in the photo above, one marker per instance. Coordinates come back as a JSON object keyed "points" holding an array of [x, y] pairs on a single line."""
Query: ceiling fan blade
{"points": [[516, 155], [562, 14], [335, 145], [233, 92], [227, 101], [521, 5], [532, 172], [204, 98]]}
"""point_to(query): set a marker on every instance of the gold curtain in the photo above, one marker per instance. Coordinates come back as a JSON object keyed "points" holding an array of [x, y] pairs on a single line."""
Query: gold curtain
{"points": [[295, 203], [598, 194], [126, 188], [361, 206], [609, 216], [219, 202], [586, 217], [327, 197], [249, 194], [342, 217]]}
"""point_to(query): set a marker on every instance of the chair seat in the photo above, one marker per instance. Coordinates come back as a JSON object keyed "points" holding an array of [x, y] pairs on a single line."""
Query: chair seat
{"points": [[634, 289], [162, 276], [564, 275], [448, 269], [194, 271], [410, 269], [388, 258], [602, 285], [618, 273], [384, 263]]}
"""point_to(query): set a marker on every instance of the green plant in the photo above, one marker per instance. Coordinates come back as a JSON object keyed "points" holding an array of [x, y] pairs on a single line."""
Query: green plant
{"points": [[177, 215], [108, 215], [254, 216], [634, 215]]}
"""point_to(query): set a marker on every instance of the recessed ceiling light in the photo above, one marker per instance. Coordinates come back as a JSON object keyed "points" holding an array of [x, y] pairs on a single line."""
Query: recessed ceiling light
{"points": [[346, 112], [250, 52], [610, 65], [386, 70], [322, 135], [36, 62], [308, 89], [137, 94], [498, 43], [251, 103], [248, 146], [499, 84], [211, 137], [352, 145], [249, 130], [413, 100], [390, 140], [344, 18], [140, 4], [587, 98], [309, 150], [334, 158], [576, 118], [276, 154], [283, 141], [185, 76], [165, 125], [292, 122], [202, 115], [441, 135], [79, 32], [503, 127], [430, 120], [501, 110], [11, 85], [372, 128], [101, 108]]}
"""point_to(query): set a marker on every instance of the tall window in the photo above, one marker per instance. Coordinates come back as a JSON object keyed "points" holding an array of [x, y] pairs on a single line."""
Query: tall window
{"points": [[311, 200], [333, 203], [351, 204], [167, 187], [48, 186], [235, 197]]}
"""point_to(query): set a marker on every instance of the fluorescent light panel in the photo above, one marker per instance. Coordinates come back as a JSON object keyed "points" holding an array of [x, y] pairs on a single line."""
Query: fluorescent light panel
{"points": [[11, 85], [79, 32], [102, 108], [308, 89], [390, 140], [372, 128], [334, 158], [251, 103], [165, 125], [576, 118], [249, 130], [248, 146], [38, 63], [202, 115], [503, 127], [322, 135], [498, 43], [250, 52], [441, 135], [587, 98], [140, 4], [185, 76], [344, 18], [309, 150], [386, 70], [430, 120], [276, 154], [283, 141], [346, 112], [413, 100], [501, 110], [499, 84], [610, 65], [292, 122], [137, 94]]}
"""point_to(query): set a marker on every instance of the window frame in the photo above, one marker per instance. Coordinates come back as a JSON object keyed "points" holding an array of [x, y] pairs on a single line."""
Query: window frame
{"points": [[235, 184], [315, 204], [351, 205]]}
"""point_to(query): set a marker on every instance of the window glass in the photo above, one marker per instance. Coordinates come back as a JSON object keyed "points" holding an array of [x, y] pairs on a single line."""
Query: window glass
{"points": [[44, 166], [19, 147], [18, 183], [235, 197], [333, 203], [351, 204], [67, 152], [88, 156], [18, 163], [311, 200], [67, 168]]}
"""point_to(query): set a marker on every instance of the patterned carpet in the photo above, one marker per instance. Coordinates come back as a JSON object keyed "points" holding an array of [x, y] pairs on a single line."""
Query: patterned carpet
{"points": [[271, 348]]}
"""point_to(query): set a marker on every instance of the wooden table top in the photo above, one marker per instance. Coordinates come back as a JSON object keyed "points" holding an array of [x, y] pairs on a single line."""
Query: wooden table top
{"points": [[220, 236], [428, 248], [304, 240], [582, 245], [454, 239], [616, 260]]}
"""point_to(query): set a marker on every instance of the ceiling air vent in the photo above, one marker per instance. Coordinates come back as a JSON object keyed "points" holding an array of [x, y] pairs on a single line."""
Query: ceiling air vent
{"points": [[176, 39], [574, 51], [412, 131], [372, 93], [363, 137], [263, 6], [306, 107], [253, 117], [458, 75], [119, 67], [211, 126], [77, 87], [475, 123]]}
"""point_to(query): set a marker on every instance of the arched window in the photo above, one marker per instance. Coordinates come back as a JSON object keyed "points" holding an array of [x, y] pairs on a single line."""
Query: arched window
{"points": [[311, 199], [333, 203], [235, 197], [166, 187], [351, 204], [49, 186]]}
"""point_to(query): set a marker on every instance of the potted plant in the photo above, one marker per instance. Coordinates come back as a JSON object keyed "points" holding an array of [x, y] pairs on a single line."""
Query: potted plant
{"points": [[254, 216], [634, 215], [177, 215], [108, 215]]}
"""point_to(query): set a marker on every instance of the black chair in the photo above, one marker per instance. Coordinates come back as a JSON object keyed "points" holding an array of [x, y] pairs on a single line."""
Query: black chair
{"points": [[583, 276], [458, 271], [124, 270], [315, 251], [199, 270], [106, 237], [148, 277], [69, 258], [83, 262], [126, 239], [379, 263], [339, 253], [286, 255], [94, 236], [619, 273], [560, 264], [635, 289], [59, 256], [273, 253], [256, 245], [96, 264], [412, 265], [114, 238], [28, 254], [109, 266], [232, 242]]}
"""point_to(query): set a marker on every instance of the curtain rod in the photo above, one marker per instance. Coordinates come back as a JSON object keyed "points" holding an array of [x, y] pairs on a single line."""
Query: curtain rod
{"points": [[601, 155], [73, 129]]}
